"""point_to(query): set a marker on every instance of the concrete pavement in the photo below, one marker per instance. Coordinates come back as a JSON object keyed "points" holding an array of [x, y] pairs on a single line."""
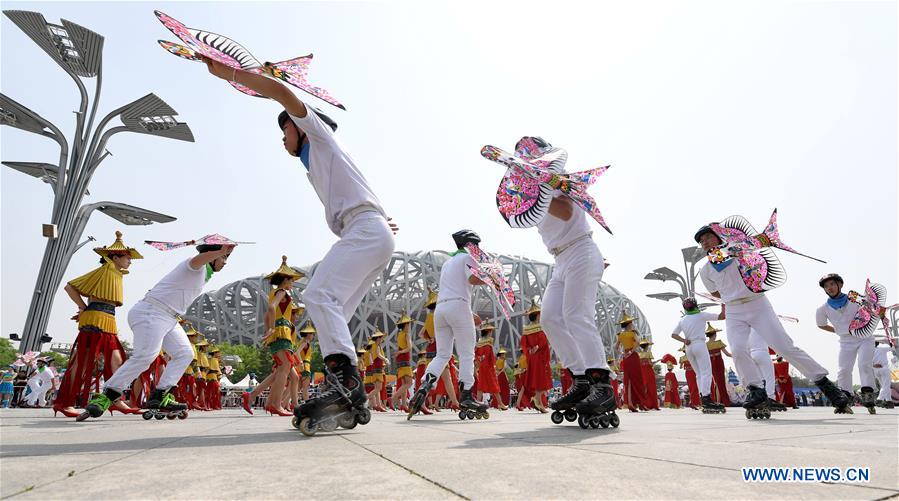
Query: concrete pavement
{"points": [[670, 454]]}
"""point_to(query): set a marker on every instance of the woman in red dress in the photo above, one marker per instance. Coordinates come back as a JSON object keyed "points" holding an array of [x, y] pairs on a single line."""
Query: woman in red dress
{"points": [[719, 378], [539, 377], [672, 389], [485, 366], [503, 379], [690, 375]]}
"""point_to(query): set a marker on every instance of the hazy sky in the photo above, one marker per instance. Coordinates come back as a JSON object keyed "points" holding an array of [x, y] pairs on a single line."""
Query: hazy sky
{"points": [[703, 109]]}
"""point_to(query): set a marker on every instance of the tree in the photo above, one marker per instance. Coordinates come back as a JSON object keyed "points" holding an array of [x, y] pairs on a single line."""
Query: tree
{"points": [[61, 360], [253, 359], [7, 352]]}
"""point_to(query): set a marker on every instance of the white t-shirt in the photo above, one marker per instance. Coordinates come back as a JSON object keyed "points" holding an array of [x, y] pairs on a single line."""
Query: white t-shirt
{"points": [[333, 174], [556, 232], [180, 287], [693, 326], [728, 283], [839, 319], [454, 278], [880, 356]]}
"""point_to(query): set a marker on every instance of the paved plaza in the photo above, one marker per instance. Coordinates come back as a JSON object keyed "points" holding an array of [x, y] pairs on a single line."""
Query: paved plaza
{"points": [[671, 454]]}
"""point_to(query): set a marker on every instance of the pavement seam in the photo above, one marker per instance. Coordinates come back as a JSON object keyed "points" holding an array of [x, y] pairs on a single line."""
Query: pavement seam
{"points": [[413, 472], [804, 436], [35, 487]]}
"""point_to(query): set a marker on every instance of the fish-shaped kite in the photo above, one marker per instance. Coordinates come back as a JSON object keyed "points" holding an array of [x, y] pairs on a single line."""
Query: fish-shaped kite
{"points": [[213, 239], [533, 174], [226, 51]]}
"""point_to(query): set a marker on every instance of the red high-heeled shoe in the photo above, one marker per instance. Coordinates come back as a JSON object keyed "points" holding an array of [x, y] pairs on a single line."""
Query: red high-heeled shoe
{"points": [[65, 412], [273, 411], [426, 411], [123, 408], [245, 402]]}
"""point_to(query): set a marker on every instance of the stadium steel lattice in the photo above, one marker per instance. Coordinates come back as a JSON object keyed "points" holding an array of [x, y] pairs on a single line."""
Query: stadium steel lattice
{"points": [[234, 313]]}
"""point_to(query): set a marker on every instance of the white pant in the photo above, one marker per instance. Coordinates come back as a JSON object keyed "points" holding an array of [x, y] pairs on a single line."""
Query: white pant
{"points": [[759, 315], [569, 308], [38, 391], [153, 330], [342, 279], [883, 377], [453, 323], [698, 355], [758, 350], [852, 347]]}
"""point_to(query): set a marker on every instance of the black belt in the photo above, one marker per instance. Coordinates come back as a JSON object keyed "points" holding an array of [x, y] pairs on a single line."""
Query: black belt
{"points": [[101, 307]]}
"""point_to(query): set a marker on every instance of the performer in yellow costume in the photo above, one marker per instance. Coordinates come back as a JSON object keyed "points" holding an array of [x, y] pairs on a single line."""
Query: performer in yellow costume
{"points": [[97, 350], [400, 397], [281, 336]]}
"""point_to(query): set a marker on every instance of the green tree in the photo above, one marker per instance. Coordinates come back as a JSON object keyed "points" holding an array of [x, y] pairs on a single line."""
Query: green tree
{"points": [[7, 352], [253, 359], [61, 360]]}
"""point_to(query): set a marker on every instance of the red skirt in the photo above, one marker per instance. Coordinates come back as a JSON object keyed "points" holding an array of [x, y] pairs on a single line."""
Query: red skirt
{"points": [[91, 357]]}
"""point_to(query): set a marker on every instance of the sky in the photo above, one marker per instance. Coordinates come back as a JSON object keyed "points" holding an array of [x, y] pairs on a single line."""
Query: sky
{"points": [[702, 109]]}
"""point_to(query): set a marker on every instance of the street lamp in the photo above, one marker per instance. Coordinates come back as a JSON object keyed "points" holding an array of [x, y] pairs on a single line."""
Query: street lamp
{"points": [[665, 296], [79, 52]]}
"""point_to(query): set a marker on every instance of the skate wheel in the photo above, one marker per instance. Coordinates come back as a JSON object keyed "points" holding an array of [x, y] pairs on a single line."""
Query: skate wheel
{"points": [[462, 415], [571, 415], [183, 415], [328, 425], [295, 422], [614, 421], [470, 414], [363, 416], [872, 410], [347, 421], [556, 417], [171, 416], [159, 417], [748, 414], [307, 427], [147, 415], [583, 422], [603, 421]]}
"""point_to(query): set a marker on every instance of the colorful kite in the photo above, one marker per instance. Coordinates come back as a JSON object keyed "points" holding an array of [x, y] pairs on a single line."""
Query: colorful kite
{"points": [[214, 239], [226, 51], [533, 174], [871, 309], [490, 271]]}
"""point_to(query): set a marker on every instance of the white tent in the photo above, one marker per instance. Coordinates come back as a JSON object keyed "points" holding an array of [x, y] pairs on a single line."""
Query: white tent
{"points": [[243, 383]]}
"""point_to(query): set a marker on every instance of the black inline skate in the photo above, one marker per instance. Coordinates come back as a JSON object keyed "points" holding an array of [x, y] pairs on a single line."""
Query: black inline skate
{"points": [[710, 406], [341, 403], [598, 409], [563, 407], [756, 403], [469, 407]]}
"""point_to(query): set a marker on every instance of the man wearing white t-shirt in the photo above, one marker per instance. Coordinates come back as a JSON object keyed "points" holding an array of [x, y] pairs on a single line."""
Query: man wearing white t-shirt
{"points": [[747, 310], [154, 323], [454, 323], [40, 382], [835, 315], [881, 366], [353, 213], [692, 325]]}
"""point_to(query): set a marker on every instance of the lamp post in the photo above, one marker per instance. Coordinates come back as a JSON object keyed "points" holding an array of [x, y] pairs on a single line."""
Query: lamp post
{"points": [[79, 52], [687, 284]]}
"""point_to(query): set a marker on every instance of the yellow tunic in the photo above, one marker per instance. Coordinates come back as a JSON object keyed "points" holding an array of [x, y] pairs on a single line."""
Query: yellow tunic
{"points": [[283, 328], [366, 361], [531, 328], [715, 345], [500, 364], [402, 343], [646, 355], [306, 357], [103, 284], [214, 369], [522, 364], [190, 368], [375, 353], [627, 339], [202, 365]]}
